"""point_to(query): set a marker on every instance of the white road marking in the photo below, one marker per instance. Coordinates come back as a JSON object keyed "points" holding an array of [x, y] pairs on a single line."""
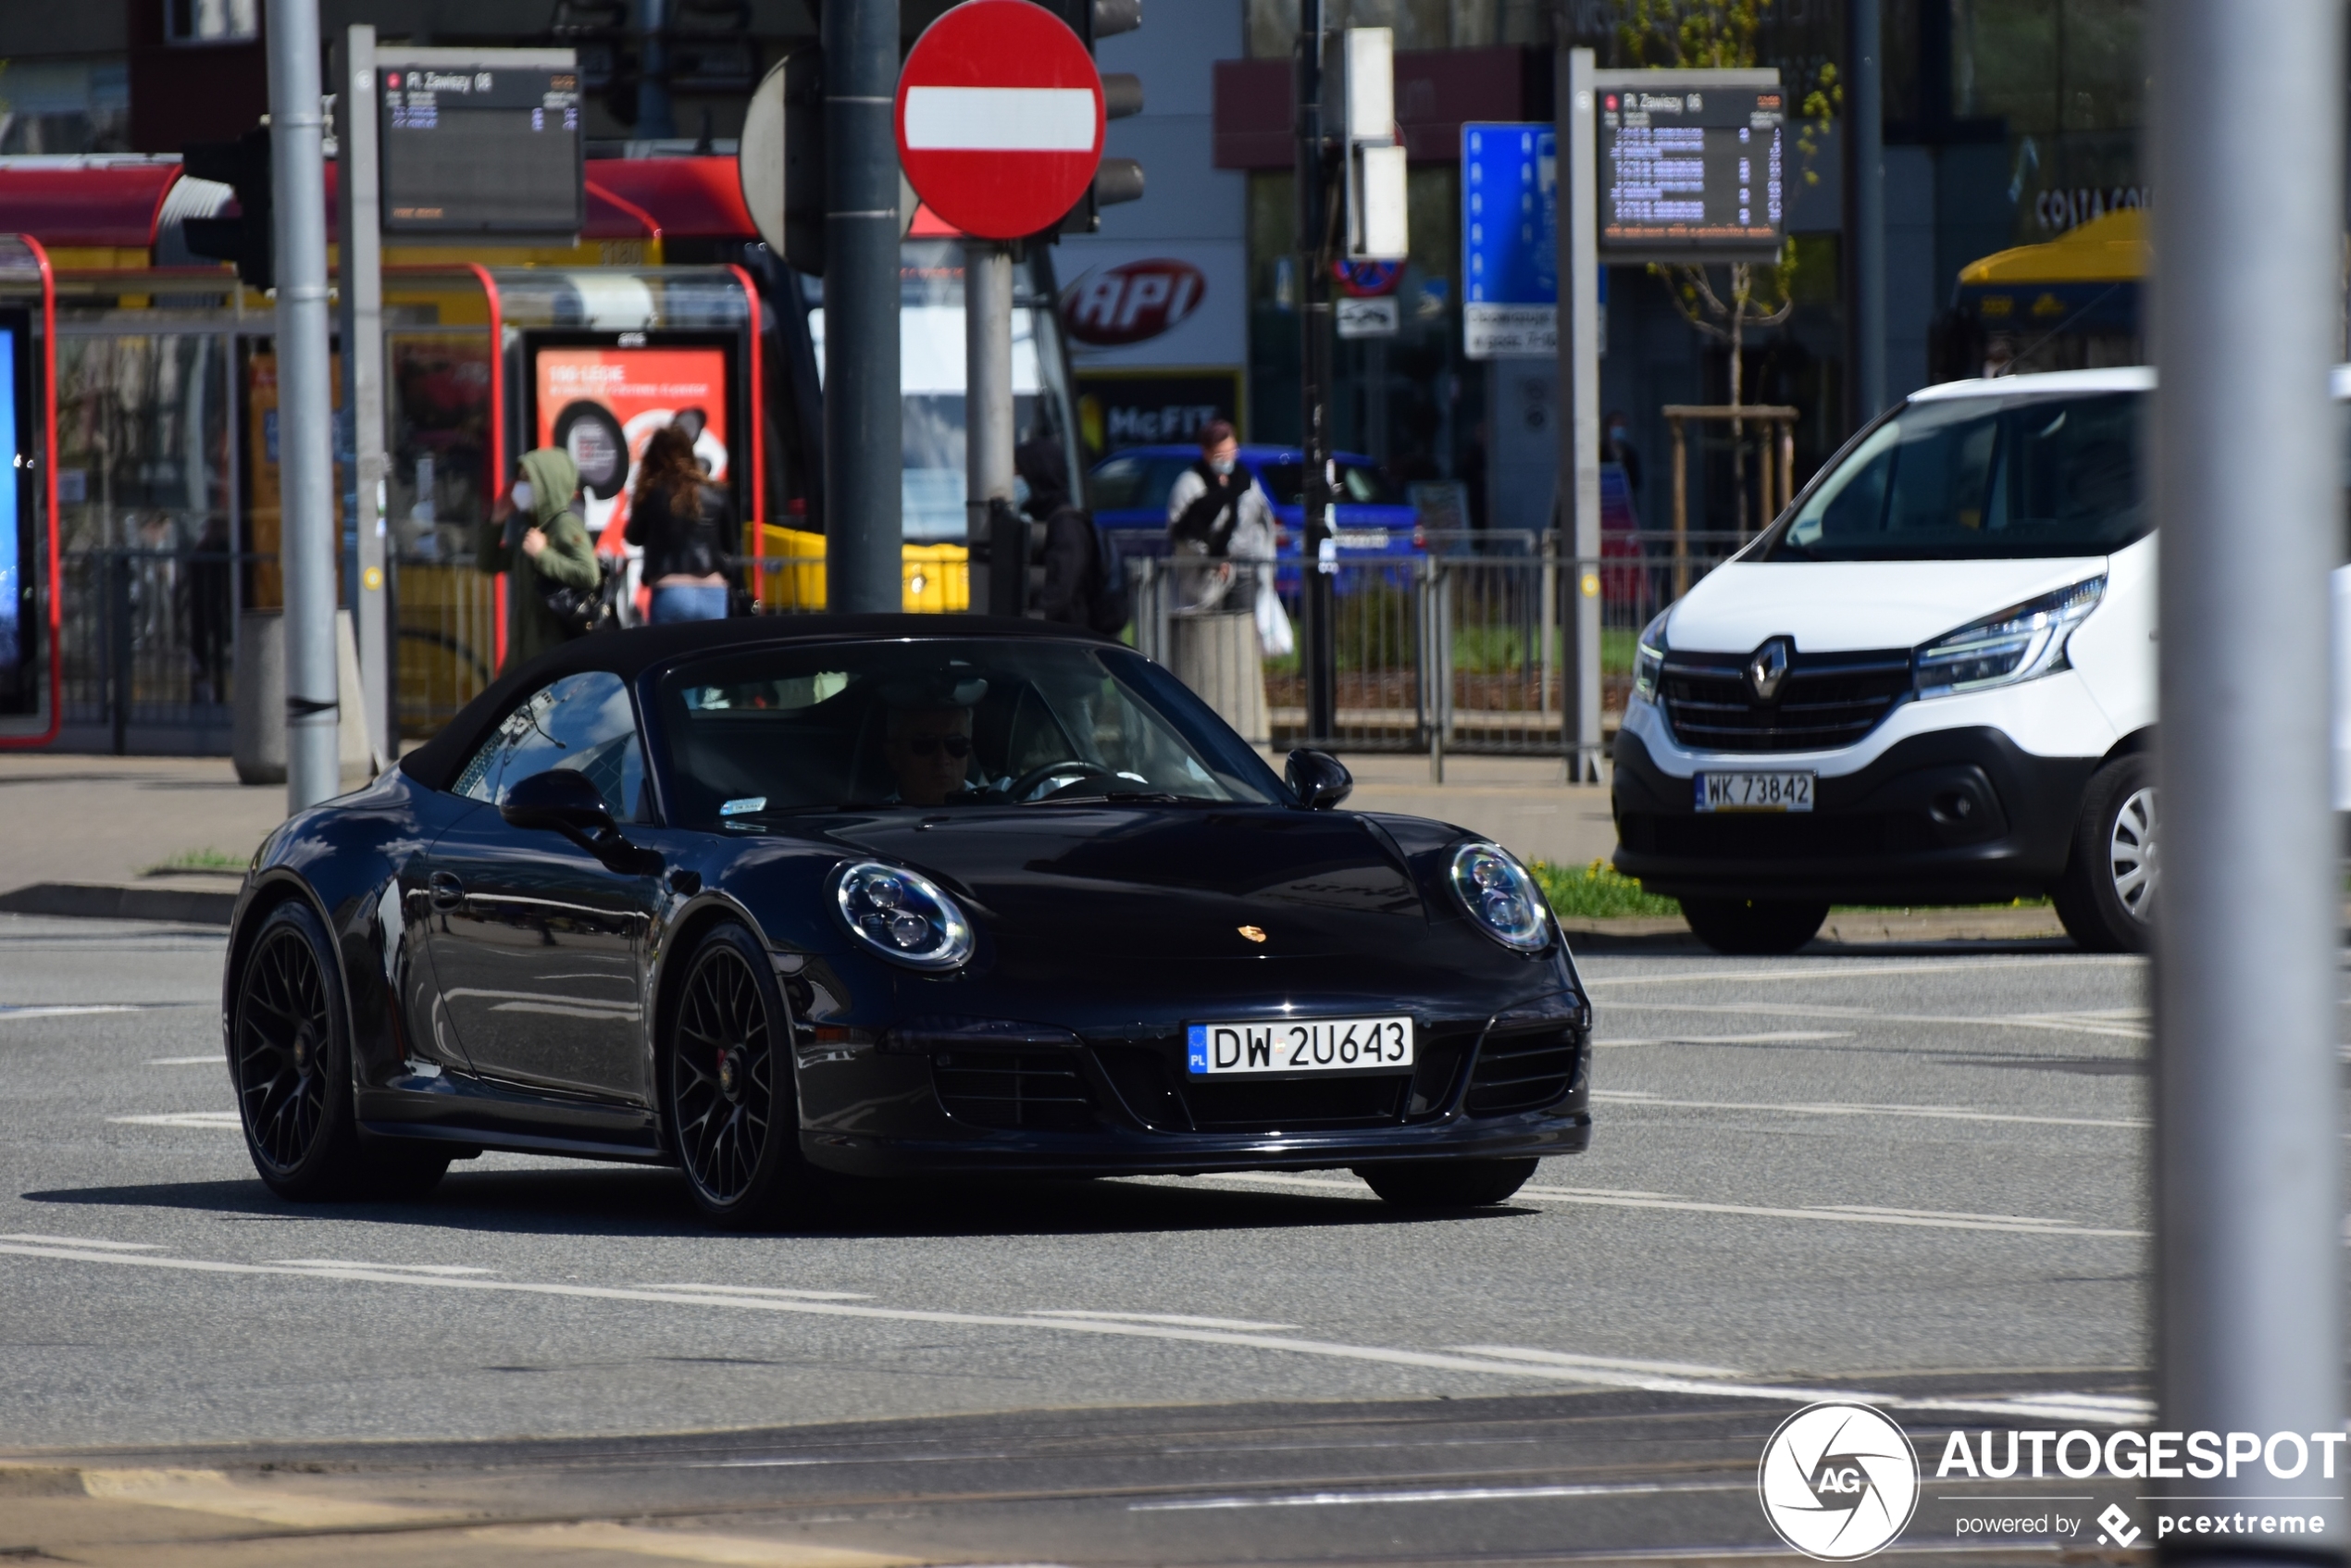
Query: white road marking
{"points": [[1836, 1108], [1005, 119], [452, 1270], [2053, 1404], [765, 1290], [1177, 1318], [1438, 1494], [1560, 1358], [1774, 1037], [1830, 969], [72, 1010], [214, 1119], [211, 1058], [1928, 1219], [2118, 1026], [79, 1242]]}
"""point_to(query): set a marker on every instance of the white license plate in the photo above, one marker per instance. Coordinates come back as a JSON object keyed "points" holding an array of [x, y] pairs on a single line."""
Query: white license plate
{"points": [[1754, 791], [1306, 1045]]}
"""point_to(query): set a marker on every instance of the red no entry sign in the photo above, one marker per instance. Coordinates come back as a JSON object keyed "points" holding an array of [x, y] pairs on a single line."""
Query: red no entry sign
{"points": [[999, 117]]}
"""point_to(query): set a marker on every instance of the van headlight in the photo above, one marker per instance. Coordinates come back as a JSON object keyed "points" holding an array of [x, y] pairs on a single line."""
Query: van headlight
{"points": [[1648, 658], [1502, 896], [2019, 643], [903, 915]]}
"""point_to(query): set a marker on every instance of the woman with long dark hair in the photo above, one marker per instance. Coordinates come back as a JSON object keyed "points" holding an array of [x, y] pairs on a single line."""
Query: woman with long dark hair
{"points": [[686, 526]]}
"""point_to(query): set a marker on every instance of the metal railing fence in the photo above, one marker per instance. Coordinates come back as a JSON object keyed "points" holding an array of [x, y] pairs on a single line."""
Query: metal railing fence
{"points": [[1455, 650]]}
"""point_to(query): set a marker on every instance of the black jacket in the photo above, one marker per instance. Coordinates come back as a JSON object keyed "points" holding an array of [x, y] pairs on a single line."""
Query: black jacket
{"points": [[702, 544], [1069, 593]]}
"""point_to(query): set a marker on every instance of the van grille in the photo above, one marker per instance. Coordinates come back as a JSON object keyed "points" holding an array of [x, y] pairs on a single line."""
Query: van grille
{"points": [[1823, 702]]}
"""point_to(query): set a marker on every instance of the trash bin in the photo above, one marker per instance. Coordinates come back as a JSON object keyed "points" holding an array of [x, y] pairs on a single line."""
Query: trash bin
{"points": [[1216, 653], [257, 729]]}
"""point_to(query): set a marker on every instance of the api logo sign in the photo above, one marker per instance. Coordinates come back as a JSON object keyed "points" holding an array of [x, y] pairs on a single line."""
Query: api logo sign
{"points": [[1132, 303], [1838, 1480]]}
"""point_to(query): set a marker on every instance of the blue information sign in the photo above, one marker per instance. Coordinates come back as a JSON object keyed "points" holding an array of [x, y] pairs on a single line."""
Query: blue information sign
{"points": [[1510, 239]]}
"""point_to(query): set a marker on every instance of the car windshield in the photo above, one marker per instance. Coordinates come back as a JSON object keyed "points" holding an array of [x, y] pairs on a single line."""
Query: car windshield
{"points": [[932, 723], [1975, 478]]}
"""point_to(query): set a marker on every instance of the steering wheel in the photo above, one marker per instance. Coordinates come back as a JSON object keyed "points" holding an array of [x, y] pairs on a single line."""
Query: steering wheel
{"points": [[1018, 789]]}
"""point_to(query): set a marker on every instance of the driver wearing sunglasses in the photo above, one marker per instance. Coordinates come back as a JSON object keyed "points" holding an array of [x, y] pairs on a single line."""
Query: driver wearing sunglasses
{"points": [[928, 749]]}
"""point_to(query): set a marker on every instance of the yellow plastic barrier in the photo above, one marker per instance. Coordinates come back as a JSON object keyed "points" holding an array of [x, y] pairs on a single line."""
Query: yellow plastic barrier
{"points": [[938, 576]]}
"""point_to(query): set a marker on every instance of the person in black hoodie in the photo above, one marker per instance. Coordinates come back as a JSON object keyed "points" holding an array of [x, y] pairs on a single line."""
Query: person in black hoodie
{"points": [[686, 526], [1067, 595]]}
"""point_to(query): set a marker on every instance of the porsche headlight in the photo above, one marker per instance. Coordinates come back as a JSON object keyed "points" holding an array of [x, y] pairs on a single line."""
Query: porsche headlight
{"points": [[1649, 657], [903, 915], [1500, 897], [2019, 643]]}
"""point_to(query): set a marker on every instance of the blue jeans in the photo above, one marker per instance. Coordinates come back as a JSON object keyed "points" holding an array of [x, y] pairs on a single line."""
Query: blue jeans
{"points": [[679, 603]]}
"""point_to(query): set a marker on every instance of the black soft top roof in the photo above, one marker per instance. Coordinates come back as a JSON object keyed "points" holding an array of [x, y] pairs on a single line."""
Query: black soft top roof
{"points": [[629, 653]]}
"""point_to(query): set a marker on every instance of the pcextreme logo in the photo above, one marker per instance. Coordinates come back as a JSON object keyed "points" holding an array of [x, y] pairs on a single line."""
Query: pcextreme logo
{"points": [[1838, 1480]]}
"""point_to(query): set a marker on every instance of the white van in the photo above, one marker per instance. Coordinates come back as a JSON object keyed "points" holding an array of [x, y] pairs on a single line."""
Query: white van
{"points": [[1932, 681]]}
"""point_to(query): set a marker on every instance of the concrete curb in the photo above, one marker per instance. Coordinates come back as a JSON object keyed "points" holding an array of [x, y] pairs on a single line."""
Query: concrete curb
{"points": [[109, 900]]}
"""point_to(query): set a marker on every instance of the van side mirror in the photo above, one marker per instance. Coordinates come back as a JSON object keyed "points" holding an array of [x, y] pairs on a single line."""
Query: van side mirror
{"points": [[1319, 780]]}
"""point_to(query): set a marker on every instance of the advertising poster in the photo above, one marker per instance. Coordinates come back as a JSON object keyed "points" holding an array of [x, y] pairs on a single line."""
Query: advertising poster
{"points": [[602, 405], [11, 524]]}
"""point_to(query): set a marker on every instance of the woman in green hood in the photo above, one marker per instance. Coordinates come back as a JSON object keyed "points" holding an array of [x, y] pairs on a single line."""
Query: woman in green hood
{"points": [[554, 547]]}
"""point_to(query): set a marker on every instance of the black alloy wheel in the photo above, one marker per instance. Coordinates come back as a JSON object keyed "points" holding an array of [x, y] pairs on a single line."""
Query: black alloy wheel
{"points": [[1755, 928], [2107, 897], [290, 1058], [1446, 1184], [732, 1110]]}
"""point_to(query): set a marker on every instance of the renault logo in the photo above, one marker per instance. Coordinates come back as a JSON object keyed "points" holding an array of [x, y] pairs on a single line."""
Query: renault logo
{"points": [[1765, 669]]}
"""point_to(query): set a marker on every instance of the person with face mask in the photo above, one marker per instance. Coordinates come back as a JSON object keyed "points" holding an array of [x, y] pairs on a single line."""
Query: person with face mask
{"points": [[535, 536], [1216, 511], [1616, 446]]}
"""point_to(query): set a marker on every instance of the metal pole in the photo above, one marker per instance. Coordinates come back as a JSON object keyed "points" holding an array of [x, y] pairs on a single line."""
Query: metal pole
{"points": [[363, 366], [2248, 1319], [862, 520], [1864, 211], [655, 117], [988, 414], [1579, 458], [305, 402], [1314, 326]]}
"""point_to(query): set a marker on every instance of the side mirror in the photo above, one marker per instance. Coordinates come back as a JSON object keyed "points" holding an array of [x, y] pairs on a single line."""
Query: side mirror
{"points": [[1319, 780], [562, 798]]}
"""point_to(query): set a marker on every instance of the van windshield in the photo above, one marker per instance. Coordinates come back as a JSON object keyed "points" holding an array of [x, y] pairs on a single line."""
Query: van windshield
{"points": [[1976, 478]]}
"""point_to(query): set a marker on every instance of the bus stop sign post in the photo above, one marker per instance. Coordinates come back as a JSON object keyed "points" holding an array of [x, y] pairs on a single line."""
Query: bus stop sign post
{"points": [[357, 196], [305, 435], [2246, 128]]}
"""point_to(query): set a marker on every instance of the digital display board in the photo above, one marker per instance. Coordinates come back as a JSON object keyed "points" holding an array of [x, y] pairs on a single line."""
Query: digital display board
{"points": [[489, 150], [1690, 170], [21, 621]]}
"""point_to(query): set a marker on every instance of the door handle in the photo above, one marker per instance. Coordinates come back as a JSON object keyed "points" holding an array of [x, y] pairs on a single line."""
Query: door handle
{"points": [[446, 891]]}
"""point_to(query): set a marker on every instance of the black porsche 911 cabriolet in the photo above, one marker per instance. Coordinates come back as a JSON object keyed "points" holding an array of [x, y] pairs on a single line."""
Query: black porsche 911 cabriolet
{"points": [[887, 895]]}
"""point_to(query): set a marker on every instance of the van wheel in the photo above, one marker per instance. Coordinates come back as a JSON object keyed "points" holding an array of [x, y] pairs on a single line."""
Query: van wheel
{"points": [[2107, 897], [1755, 927]]}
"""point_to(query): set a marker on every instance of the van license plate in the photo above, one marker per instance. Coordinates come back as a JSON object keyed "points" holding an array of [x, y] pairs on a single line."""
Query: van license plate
{"points": [[1754, 791]]}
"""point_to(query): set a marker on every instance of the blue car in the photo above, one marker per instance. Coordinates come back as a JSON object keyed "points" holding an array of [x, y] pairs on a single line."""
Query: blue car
{"points": [[1374, 520]]}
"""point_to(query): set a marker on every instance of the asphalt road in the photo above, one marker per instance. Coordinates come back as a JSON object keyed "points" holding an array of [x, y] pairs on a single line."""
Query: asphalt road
{"points": [[1911, 1175]]}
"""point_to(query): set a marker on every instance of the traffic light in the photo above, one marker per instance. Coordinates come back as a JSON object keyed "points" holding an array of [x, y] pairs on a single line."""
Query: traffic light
{"points": [[246, 239], [1117, 180]]}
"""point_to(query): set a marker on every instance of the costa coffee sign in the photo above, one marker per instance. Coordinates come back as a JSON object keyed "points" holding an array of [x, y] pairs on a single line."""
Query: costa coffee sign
{"points": [[1131, 302]]}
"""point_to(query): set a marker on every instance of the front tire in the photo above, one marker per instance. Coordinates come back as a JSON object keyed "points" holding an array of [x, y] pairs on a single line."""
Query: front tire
{"points": [[729, 1102], [1755, 928], [1447, 1184], [2107, 898], [290, 1059]]}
